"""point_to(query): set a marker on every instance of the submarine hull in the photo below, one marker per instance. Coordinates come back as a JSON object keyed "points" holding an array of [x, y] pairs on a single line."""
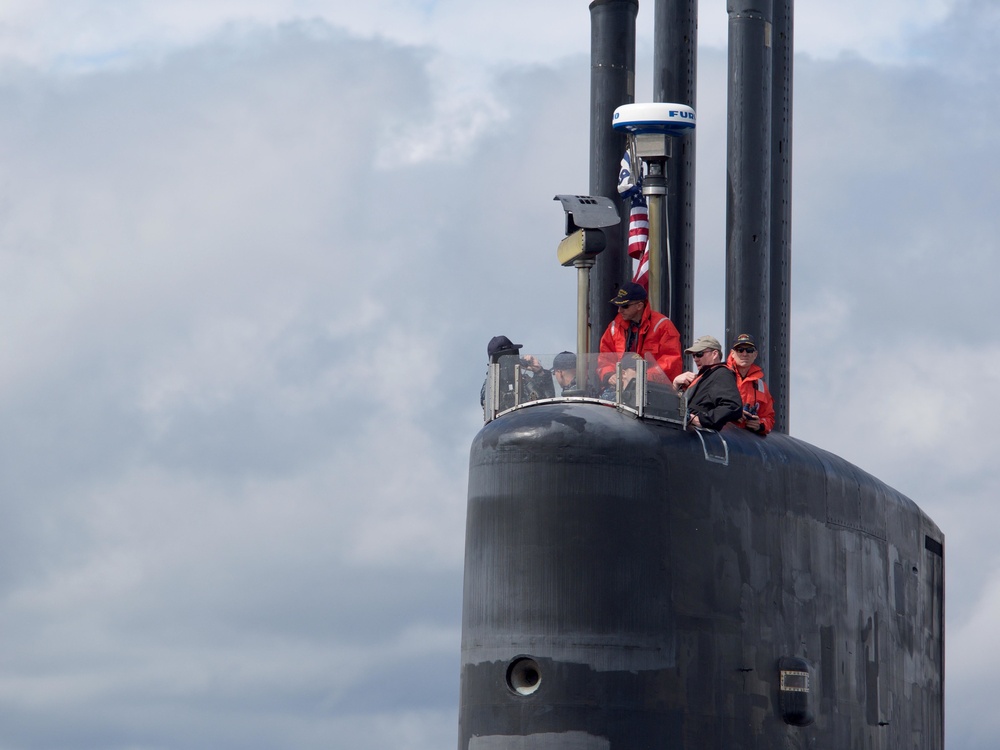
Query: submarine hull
{"points": [[630, 584]]}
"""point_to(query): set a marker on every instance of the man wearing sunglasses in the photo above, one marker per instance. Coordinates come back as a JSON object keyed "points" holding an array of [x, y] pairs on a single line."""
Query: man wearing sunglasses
{"points": [[713, 399], [640, 329], [758, 406]]}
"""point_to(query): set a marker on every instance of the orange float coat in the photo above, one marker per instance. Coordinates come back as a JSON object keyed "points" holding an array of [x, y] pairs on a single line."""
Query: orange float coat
{"points": [[754, 390], [656, 337]]}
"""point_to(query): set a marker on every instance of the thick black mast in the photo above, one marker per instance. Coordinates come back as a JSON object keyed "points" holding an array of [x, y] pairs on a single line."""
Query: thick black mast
{"points": [[778, 339], [612, 83], [748, 174], [675, 72]]}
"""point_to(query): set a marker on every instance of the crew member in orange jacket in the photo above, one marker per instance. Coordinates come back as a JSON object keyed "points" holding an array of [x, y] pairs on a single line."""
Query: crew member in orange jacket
{"points": [[758, 406], [638, 328]]}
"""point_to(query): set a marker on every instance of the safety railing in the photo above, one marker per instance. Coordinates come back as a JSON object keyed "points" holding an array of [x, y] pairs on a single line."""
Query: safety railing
{"points": [[628, 382]]}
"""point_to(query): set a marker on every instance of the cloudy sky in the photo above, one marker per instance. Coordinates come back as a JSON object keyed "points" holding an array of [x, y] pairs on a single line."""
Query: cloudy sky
{"points": [[250, 255]]}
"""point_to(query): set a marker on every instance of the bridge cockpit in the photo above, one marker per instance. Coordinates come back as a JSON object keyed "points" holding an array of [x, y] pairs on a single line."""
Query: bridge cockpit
{"points": [[629, 383]]}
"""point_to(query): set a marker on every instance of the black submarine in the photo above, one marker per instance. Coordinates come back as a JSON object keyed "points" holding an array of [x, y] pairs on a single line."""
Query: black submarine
{"points": [[632, 583]]}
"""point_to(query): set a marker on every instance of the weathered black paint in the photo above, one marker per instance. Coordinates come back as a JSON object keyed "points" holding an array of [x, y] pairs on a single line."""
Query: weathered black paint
{"points": [[777, 340], [612, 83], [623, 591], [748, 174], [658, 592], [675, 73]]}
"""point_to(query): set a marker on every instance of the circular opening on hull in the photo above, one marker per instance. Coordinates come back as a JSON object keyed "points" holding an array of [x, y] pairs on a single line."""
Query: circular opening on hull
{"points": [[524, 676]]}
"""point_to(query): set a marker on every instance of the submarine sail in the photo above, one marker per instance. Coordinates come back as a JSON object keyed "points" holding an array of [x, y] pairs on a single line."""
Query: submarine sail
{"points": [[634, 583]]}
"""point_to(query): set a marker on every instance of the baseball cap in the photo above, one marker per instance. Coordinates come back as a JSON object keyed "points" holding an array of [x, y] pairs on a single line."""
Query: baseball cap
{"points": [[702, 343], [629, 292], [502, 345]]}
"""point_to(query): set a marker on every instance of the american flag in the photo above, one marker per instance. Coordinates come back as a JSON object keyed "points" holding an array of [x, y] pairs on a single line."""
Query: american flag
{"points": [[630, 189]]}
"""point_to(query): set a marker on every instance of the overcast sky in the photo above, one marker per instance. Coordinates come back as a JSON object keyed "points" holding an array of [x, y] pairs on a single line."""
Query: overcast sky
{"points": [[251, 253]]}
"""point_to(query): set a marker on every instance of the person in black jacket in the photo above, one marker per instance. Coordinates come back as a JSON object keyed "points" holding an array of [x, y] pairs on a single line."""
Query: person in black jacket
{"points": [[536, 381], [712, 396], [564, 372]]}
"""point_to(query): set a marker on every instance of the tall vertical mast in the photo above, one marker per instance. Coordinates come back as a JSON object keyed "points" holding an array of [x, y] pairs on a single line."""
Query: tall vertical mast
{"points": [[748, 203], [778, 339], [675, 70], [612, 83]]}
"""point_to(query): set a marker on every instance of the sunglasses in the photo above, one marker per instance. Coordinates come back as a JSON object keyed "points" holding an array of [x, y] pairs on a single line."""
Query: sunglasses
{"points": [[744, 350], [702, 353]]}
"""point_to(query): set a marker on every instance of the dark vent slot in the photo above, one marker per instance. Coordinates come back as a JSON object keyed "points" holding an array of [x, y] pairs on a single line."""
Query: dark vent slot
{"points": [[934, 546]]}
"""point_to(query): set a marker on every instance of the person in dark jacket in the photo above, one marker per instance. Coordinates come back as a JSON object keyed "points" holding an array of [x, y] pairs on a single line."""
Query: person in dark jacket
{"points": [[564, 372], [536, 381], [713, 399]]}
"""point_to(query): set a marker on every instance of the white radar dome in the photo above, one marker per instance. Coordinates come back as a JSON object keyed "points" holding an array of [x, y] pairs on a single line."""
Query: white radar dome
{"points": [[654, 117]]}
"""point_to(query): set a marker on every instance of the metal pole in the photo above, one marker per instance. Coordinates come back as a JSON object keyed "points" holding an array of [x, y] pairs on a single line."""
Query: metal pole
{"points": [[748, 205], [654, 187], [612, 83], [675, 71], [582, 295], [778, 339]]}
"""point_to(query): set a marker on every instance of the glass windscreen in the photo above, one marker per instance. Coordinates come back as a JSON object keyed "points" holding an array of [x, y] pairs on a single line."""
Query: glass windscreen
{"points": [[621, 380]]}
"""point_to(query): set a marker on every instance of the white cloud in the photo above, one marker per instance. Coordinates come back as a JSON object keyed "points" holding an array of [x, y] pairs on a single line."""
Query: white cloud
{"points": [[246, 281], [95, 34], [882, 32]]}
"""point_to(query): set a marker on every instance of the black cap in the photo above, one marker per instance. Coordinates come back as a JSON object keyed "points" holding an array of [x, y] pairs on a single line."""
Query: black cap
{"points": [[744, 339], [564, 361], [501, 345], [629, 292], [629, 359]]}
